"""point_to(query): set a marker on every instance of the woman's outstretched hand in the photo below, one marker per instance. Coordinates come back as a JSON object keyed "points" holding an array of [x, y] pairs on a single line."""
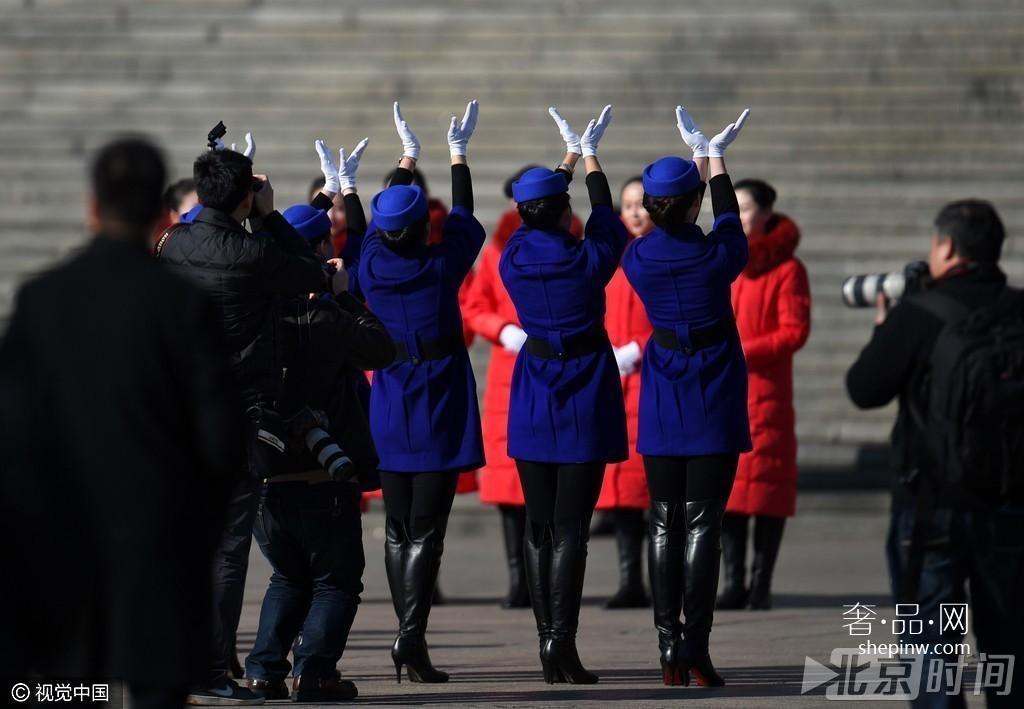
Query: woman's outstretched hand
{"points": [[410, 144], [459, 132], [571, 137], [594, 132], [718, 144], [692, 135]]}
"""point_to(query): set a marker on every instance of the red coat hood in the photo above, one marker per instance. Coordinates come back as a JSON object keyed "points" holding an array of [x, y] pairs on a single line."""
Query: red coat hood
{"points": [[770, 247]]}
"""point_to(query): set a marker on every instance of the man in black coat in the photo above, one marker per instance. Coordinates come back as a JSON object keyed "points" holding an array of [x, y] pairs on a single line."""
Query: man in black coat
{"points": [[119, 433], [244, 273], [963, 543]]}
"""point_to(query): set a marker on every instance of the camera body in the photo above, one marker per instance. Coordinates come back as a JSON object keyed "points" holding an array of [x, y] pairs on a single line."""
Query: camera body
{"points": [[862, 291]]}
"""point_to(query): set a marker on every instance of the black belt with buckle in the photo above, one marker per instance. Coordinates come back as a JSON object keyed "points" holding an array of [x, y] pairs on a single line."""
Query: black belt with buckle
{"points": [[575, 346], [700, 337], [436, 348]]}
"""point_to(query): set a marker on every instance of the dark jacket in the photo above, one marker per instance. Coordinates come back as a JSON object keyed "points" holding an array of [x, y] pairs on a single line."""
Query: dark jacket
{"points": [[244, 273], [118, 439], [324, 347], [896, 361]]}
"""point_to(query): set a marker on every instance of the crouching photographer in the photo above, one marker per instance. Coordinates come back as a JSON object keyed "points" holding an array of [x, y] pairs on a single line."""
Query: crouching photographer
{"points": [[319, 458], [952, 353]]}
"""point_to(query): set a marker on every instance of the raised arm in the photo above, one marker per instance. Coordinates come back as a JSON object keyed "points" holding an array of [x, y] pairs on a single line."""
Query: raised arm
{"points": [[410, 150], [573, 149], [723, 198], [697, 142], [463, 236], [605, 235], [459, 133]]}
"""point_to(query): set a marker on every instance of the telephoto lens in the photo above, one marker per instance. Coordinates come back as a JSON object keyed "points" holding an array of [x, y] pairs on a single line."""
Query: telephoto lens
{"points": [[862, 291], [329, 454]]}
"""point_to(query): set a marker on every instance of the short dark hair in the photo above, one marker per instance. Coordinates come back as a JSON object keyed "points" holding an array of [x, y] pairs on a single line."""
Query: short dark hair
{"points": [[760, 191], [406, 240], [128, 178], [975, 228], [316, 186], [174, 194], [223, 179], [627, 183], [670, 212], [417, 179], [544, 213]]}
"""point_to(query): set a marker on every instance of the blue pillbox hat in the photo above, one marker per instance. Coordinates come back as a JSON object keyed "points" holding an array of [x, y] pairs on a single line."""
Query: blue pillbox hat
{"points": [[671, 176], [399, 206], [310, 222], [537, 183]]}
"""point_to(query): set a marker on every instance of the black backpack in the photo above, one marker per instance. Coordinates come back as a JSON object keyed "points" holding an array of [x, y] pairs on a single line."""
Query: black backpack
{"points": [[974, 424]]}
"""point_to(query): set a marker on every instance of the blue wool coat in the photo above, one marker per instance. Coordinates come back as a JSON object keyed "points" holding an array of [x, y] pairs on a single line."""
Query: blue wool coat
{"points": [[690, 404], [424, 417], [565, 410]]}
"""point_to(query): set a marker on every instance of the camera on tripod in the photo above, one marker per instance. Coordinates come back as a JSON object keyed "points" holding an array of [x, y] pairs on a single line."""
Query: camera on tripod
{"points": [[862, 291]]}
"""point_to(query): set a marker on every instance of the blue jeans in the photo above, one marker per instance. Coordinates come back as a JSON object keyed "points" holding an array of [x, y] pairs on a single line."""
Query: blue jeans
{"points": [[312, 536], [980, 550]]}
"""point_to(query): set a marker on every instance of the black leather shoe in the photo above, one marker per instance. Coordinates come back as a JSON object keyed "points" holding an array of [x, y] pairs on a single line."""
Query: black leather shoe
{"points": [[267, 689], [329, 689]]}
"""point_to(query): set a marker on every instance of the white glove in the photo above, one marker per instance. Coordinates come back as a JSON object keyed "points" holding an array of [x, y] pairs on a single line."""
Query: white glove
{"points": [[572, 140], [250, 147], [594, 132], [718, 144], [410, 145], [327, 167], [627, 358], [512, 338], [692, 135], [349, 164], [460, 133]]}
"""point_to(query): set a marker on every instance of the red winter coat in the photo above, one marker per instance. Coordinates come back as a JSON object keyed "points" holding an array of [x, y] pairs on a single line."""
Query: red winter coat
{"points": [[486, 310], [772, 301], [626, 320]]}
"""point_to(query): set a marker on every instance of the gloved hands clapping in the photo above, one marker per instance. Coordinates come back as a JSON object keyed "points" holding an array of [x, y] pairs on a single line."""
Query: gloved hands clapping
{"points": [[512, 338], [459, 133], [328, 168], [692, 135], [718, 144], [627, 358], [571, 138], [410, 144], [594, 132], [349, 164]]}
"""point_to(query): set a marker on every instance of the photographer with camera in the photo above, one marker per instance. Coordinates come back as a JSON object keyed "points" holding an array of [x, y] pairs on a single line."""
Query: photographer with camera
{"points": [[947, 353], [308, 524], [244, 273]]}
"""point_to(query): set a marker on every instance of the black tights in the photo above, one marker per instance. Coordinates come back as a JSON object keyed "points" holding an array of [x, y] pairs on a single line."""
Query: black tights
{"points": [[696, 478], [560, 494], [412, 496]]}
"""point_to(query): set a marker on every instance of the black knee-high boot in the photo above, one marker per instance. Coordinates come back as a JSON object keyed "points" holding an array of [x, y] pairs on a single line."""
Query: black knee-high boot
{"points": [[734, 560], [513, 525], [665, 552], [700, 574], [629, 538], [767, 540], [421, 562], [568, 568], [537, 558]]}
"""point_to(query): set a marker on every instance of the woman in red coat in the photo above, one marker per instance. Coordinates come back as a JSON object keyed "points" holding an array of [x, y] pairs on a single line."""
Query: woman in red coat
{"points": [[624, 490], [772, 302], [487, 311]]}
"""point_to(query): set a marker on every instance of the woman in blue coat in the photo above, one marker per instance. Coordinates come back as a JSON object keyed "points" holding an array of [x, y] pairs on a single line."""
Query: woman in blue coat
{"points": [[566, 413], [423, 408], [693, 390]]}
